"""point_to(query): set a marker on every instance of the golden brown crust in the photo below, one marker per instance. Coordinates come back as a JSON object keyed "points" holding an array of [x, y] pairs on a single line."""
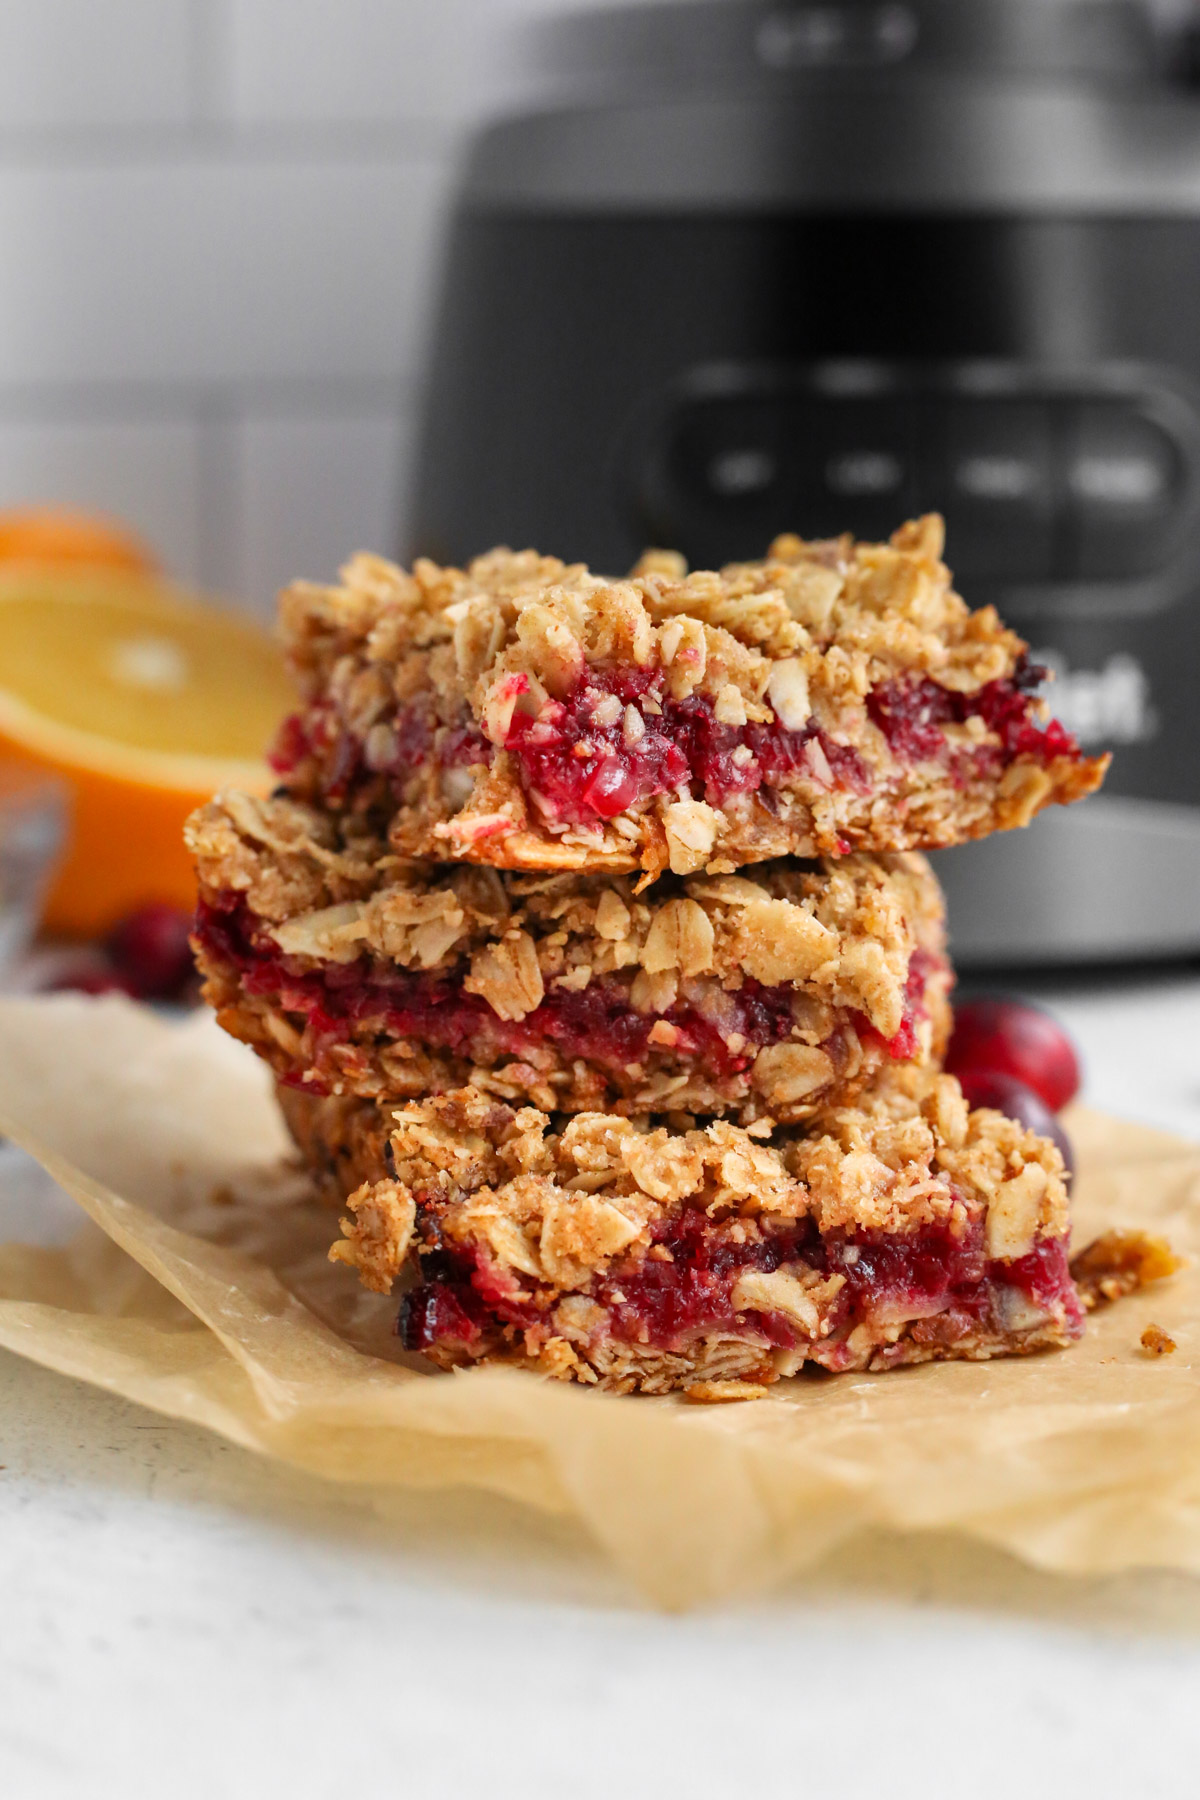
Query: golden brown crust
{"points": [[918, 809], [871, 611], [729, 1367], [800, 639], [858, 943]]}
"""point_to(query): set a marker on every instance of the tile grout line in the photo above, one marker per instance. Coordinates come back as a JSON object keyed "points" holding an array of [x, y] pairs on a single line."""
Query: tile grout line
{"points": [[210, 63], [220, 509], [53, 147], [138, 401]]}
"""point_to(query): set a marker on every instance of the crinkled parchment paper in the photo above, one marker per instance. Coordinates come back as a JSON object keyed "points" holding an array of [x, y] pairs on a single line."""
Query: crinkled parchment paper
{"points": [[206, 1294]]}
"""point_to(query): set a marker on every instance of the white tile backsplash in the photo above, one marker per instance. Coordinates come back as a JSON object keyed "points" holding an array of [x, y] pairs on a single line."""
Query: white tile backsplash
{"points": [[376, 61], [215, 270], [315, 489], [359, 59], [144, 472], [218, 227], [95, 62]]}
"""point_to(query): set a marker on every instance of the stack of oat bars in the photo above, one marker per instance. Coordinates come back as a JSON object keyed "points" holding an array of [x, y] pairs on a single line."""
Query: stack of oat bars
{"points": [[591, 943]]}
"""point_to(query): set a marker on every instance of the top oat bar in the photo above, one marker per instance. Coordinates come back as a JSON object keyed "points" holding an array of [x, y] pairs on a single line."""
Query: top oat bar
{"points": [[529, 714]]}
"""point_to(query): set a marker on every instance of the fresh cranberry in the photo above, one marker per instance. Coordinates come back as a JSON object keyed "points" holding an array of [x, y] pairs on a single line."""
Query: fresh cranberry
{"points": [[1003, 1093], [610, 788], [150, 952], [1015, 1039]]}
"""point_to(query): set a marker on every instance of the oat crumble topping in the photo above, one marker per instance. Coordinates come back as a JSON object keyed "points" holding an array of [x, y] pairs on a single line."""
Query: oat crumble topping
{"points": [[795, 695]]}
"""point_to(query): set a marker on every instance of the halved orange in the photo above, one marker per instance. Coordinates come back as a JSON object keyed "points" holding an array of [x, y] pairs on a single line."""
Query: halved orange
{"points": [[144, 702], [59, 535]]}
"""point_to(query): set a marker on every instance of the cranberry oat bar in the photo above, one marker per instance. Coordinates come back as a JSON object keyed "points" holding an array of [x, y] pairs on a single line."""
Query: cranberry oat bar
{"points": [[903, 1230], [765, 994], [528, 714]]}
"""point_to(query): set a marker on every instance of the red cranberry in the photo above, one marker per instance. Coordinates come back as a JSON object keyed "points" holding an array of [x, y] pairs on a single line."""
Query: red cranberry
{"points": [[150, 952], [1015, 1039], [291, 746], [988, 1087], [912, 713], [611, 788]]}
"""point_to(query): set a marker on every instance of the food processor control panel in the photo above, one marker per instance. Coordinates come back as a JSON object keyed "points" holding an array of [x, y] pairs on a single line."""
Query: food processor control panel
{"points": [[1064, 495]]}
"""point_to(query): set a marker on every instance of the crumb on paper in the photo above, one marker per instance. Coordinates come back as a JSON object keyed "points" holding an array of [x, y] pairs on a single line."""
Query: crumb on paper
{"points": [[1157, 1342], [1119, 1263], [722, 1393]]}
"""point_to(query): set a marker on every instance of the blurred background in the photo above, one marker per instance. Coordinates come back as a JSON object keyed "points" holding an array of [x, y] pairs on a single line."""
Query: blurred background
{"points": [[220, 223], [219, 220], [270, 291]]}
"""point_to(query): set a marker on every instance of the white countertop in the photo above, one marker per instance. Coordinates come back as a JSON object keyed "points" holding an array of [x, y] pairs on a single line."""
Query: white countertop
{"points": [[179, 1617]]}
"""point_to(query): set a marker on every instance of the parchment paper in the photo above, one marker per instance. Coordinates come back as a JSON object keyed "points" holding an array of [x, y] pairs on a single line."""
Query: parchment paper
{"points": [[202, 1289]]}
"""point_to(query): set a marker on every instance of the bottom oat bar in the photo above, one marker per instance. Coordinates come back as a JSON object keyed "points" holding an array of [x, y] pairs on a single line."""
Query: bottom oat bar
{"points": [[905, 1229]]}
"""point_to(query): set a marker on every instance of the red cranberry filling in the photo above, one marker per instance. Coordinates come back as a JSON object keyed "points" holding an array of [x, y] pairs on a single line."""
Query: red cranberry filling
{"points": [[409, 738], [596, 1024], [667, 1305], [440, 1312], [923, 965], [584, 757], [912, 713], [294, 742], [317, 738], [461, 745], [589, 757], [578, 763]]}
